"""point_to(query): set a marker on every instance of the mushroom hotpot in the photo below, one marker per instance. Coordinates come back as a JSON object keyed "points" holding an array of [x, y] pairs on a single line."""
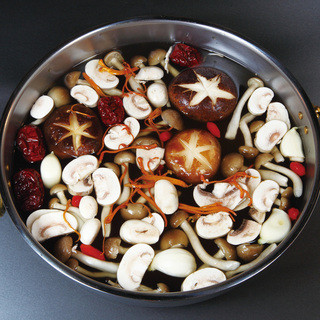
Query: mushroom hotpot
{"points": [[241, 58]]}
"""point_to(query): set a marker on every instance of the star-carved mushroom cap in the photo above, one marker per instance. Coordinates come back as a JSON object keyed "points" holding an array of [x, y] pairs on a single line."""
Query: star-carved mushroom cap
{"points": [[203, 94], [192, 153], [72, 131]]}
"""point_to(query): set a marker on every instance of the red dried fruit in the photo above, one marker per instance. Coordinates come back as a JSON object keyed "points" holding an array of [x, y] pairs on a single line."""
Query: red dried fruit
{"points": [[111, 110], [185, 56], [293, 213], [92, 252], [298, 168], [213, 128], [75, 201], [30, 142], [29, 190], [165, 136]]}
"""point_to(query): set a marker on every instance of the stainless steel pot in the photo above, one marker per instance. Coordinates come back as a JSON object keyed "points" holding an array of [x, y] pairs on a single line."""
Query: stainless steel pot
{"points": [[241, 58]]}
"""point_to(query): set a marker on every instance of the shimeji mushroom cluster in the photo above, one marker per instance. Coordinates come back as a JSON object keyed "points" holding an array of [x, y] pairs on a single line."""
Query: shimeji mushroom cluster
{"points": [[143, 243]]}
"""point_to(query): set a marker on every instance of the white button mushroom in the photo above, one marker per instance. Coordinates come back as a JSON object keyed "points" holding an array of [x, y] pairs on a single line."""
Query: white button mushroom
{"points": [[149, 73], [156, 220], [259, 100], [133, 125], [50, 170], [88, 207], [291, 146], [42, 107], [166, 196], [157, 94], [247, 232], [264, 195], [81, 188], [151, 158], [85, 95], [89, 231], [136, 106], [118, 137]]}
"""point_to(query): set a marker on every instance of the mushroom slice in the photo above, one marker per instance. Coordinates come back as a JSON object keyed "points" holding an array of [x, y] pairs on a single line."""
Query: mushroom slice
{"points": [[50, 170], [85, 95], [264, 195], [52, 224], [118, 137], [175, 262], [156, 220], [42, 107], [100, 76], [106, 185], [133, 125], [79, 169], [166, 196], [257, 215], [214, 225], [137, 231], [203, 278], [253, 181], [259, 100], [275, 228], [151, 159], [277, 111], [269, 135], [89, 231], [157, 94], [291, 146], [37, 214], [136, 106], [88, 207], [81, 188], [133, 266], [149, 73], [247, 232]]}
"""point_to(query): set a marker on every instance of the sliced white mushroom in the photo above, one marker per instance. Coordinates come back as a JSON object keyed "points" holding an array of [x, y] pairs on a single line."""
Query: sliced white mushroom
{"points": [[253, 181], [88, 207], [50, 170], [78, 169], [202, 278], [151, 159], [275, 176], [257, 216], [81, 188], [133, 266], [166, 196], [89, 231], [36, 214], [175, 262], [247, 232], [291, 146], [85, 95], [136, 106], [264, 195], [149, 73], [133, 125], [42, 107], [118, 137], [106, 185], [214, 225], [275, 228], [100, 76], [269, 135], [156, 220], [277, 111], [259, 100], [137, 231], [53, 224], [157, 94]]}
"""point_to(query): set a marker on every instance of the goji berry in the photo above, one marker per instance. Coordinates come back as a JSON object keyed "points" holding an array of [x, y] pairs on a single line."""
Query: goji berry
{"points": [[213, 128], [165, 136], [293, 213], [92, 252], [298, 168], [185, 56], [75, 201]]}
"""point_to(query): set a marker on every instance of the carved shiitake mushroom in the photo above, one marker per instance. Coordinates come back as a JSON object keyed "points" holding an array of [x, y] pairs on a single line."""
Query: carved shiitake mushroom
{"points": [[73, 132], [203, 94]]}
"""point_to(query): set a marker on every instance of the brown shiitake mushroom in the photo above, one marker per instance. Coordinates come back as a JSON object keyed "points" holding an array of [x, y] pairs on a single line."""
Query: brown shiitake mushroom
{"points": [[63, 248], [173, 238], [231, 164], [134, 211], [248, 252]]}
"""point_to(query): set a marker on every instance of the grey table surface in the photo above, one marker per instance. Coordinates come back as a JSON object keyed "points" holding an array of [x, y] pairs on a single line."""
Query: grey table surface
{"points": [[290, 30]]}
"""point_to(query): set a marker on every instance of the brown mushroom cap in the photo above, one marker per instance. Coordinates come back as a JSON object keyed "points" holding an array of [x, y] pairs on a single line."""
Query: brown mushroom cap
{"points": [[248, 152], [115, 168], [138, 61], [111, 247], [57, 188], [228, 249], [262, 159], [173, 119], [173, 238], [63, 248], [124, 157], [60, 96], [231, 164], [71, 78], [113, 55], [177, 218], [156, 56], [134, 211], [248, 252], [287, 193], [255, 126], [73, 263]]}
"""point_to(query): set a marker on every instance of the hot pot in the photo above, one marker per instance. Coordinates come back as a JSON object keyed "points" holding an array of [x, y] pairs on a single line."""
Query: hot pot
{"points": [[238, 54]]}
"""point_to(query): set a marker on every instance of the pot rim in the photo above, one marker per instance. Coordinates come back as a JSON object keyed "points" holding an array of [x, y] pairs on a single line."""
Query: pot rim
{"points": [[176, 298]]}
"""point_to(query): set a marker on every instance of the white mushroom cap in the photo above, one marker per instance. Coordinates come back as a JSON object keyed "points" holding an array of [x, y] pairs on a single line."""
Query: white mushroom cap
{"points": [[133, 125], [202, 278], [106, 185], [247, 232], [102, 78], [253, 181], [133, 266], [277, 111], [149, 73], [214, 225], [259, 100], [269, 135], [81, 188], [156, 220], [36, 214], [50, 170], [136, 106], [157, 94], [166, 196], [42, 107], [53, 224], [264, 195], [118, 137], [85, 95], [150, 158], [89, 231], [88, 207], [78, 169], [291, 146], [275, 228], [175, 262]]}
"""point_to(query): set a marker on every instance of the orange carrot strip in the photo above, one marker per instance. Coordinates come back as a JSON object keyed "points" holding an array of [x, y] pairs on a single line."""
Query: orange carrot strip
{"points": [[68, 205]]}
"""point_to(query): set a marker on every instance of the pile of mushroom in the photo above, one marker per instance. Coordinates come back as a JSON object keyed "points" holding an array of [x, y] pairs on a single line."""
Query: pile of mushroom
{"points": [[138, 200]]}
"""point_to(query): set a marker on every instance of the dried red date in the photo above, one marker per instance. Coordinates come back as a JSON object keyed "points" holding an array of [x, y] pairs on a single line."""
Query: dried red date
{"points": [[30, 142], [29, 190], [111, 110], [185, 56]]}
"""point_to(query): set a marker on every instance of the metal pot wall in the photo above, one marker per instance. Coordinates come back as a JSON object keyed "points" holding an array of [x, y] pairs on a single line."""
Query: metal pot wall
{"points": [[239, 55]]}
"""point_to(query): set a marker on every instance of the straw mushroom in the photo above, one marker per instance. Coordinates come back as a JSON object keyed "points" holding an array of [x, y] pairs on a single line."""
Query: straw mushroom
{"points": [[173, 238], [42, 107], [60, 96], [259, 100], [136, 106], [85, 95], [248, 231], [166, 196], [264, 195]]}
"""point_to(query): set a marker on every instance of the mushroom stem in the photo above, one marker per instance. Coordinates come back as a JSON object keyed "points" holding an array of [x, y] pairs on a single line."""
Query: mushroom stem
{"points": [[74, 264], [174, 72], [251, 264], [253, 84], [125, 194], [275, 176], [113, 92], [106, 227], [278, 157], [243, 125]]}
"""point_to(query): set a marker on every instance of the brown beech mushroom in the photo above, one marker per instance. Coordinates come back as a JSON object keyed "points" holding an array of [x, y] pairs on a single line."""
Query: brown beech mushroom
{"points": [[173, 238], [134, 211], [71, 79], [63, 248], [249, 251], [158, 56], [231, 164], [138, 61], [112, 248], [255, 126], [173, 119], [228, 250], [179, 219]]}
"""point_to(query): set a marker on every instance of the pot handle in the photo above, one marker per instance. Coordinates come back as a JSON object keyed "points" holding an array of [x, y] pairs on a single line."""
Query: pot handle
{"points": [[317, 110]]}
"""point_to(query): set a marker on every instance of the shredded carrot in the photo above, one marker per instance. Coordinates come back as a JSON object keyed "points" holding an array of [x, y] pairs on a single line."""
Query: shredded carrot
{"points": [[78, 112], [94, 85], [124, 172], [68, 205], [124, 71]]}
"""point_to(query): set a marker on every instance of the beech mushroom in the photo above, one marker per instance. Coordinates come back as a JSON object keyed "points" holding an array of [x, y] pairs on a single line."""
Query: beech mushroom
{"points": [[59, 191], [112, 248], [138, 61], [134, 211], [227, 249], [60, 96], [50, 170], [249, 251], [255, 126], [85, 95], [136, 106], [42, 107], [71, 79], [63, 248], [277, 155], [166, 196], [248, 231], [259, 100], [275, 176], [291, 146], [173, 238], [172, 118], [231, 164], [158, 56], [180, 219]]}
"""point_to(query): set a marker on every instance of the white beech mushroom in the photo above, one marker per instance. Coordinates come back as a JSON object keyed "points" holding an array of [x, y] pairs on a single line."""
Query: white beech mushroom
{"points": [[85, 95], [180, 219], [253, 84], [157, 94], [149, 73], [202, 278], [277, 111], [136, 106], [60, 96], [277, 155], [118, 137], [275, 176], [158, 56], [89, 231], [264, 195], [42, 107], [166, 196], [106, 227], [59, 191], [50, 170], [291, 146], [259, 100]]}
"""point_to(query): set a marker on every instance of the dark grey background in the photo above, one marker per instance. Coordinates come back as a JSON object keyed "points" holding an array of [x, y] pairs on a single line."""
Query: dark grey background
{"points": [[290, 30]]}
